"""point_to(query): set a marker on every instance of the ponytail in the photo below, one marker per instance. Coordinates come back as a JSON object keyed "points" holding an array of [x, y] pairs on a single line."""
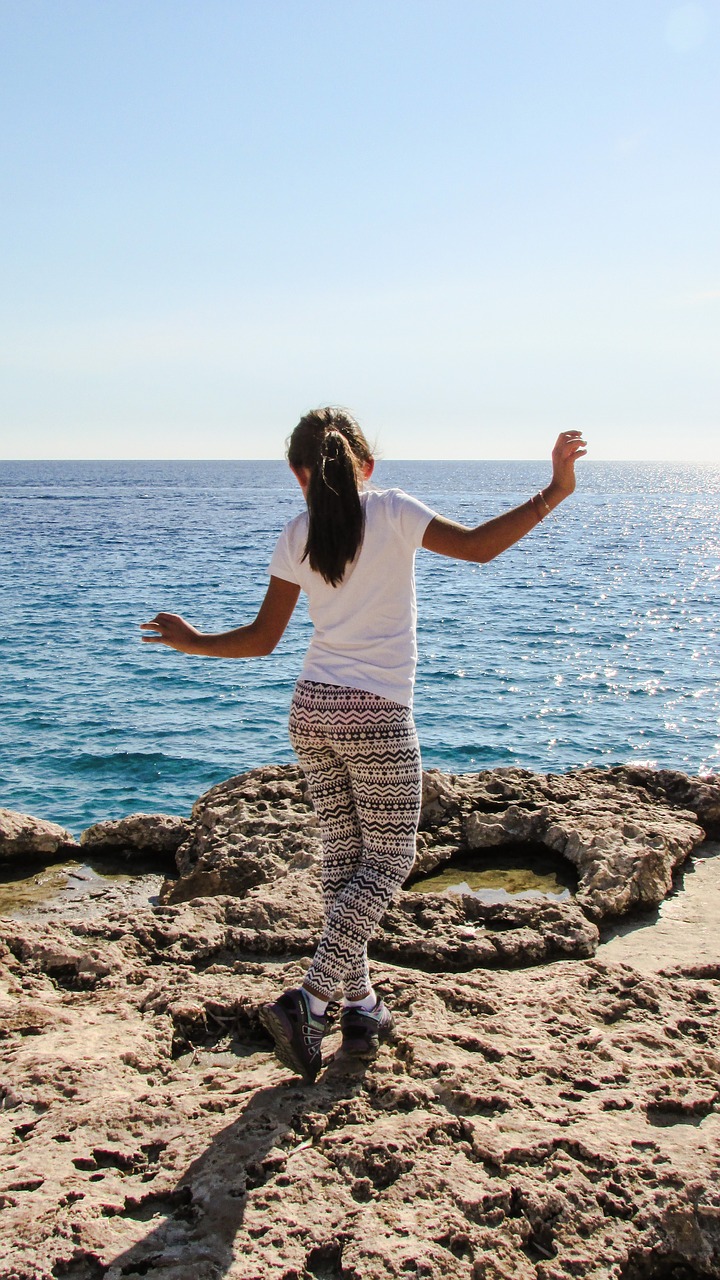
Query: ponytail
{"points": [[330, 444]]}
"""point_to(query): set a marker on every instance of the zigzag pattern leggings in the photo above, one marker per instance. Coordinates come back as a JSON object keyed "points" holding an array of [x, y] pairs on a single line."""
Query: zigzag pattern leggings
{"points": [[361, 757]]}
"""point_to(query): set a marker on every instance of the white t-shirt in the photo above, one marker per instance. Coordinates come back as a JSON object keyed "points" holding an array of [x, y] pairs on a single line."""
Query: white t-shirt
{"points": [[364, 634]]}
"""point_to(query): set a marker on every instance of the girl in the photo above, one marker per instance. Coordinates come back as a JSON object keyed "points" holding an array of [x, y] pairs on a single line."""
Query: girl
{"points": [[353, 551]]}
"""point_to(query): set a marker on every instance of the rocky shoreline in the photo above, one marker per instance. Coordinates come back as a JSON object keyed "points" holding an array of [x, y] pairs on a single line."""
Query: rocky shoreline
{"points": [[540, 1112]]}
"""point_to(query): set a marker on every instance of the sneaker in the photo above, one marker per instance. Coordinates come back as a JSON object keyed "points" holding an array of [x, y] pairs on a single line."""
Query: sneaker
{"points": [[297, 1033], [363, 1029]]}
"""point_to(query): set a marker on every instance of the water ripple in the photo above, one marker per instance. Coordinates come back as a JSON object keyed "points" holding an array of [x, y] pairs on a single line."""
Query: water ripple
{"points": [[593, 641]]}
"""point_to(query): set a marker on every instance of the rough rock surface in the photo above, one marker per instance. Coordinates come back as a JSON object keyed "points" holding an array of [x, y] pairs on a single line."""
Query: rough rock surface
{"points": [[457, 932], [245, 832], [257, 835], [624, 840], [559, 1121], [23, 837], [153, 833], [624, 830], [522, 1123], [700, 795]]}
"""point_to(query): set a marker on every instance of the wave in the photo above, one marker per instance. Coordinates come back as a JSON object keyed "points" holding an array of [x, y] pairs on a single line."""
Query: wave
{"points": [[123, 766]]}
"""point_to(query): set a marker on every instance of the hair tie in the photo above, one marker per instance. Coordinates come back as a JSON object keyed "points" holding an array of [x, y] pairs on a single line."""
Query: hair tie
{"points": [[332, 445]]}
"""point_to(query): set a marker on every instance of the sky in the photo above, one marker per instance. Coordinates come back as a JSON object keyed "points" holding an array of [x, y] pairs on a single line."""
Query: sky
{"points": [[474, 223]]}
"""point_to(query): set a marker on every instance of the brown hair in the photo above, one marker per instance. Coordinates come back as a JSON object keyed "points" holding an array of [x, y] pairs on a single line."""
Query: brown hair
{"points": [[330, 444]]}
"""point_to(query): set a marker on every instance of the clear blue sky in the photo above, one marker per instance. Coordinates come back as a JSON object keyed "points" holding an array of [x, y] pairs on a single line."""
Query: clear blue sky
{"points": [[475, 222]]}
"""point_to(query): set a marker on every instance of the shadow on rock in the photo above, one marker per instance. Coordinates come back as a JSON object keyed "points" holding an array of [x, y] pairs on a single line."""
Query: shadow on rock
{"points": [[195, 1223]]}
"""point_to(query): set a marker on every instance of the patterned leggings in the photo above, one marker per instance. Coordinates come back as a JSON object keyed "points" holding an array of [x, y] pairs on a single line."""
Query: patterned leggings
{"points": [[361, 757]]}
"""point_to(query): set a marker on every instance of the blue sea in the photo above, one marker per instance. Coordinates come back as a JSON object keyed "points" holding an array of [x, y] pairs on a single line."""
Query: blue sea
{"points": [[594, 641]]}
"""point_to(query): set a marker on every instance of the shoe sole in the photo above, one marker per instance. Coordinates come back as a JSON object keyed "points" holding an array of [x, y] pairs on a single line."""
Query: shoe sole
{"points": [[353, 1050], [283, 1045]]}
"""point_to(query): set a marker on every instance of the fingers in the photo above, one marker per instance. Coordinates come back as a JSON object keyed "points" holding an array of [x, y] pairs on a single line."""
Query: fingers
{"points": [[569, 440], [569, 447], [161, 618], [171, 630], [158, 626]]}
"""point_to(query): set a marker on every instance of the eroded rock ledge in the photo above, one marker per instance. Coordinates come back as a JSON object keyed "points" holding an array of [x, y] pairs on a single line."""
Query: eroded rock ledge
{"points": [[255, 837], [24, 839], [624, 830]]}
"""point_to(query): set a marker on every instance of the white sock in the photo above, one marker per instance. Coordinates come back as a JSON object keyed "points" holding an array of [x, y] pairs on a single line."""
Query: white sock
{"points": [[317, 1006], [368, 1002]]}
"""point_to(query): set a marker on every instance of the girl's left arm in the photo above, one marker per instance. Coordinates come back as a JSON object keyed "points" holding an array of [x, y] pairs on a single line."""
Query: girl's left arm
{"points": [[253, 641], [490, 539]]}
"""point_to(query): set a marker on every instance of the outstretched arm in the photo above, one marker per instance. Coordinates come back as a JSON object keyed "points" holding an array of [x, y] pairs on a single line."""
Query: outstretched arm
{"points": [[253, 641], [493, 537]]}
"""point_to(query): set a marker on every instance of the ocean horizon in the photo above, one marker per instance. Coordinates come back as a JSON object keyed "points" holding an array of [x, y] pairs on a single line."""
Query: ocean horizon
{"points": [[592, 642]]}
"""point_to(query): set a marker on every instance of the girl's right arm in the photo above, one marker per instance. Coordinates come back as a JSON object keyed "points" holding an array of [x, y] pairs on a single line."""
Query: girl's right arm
{"points": [[253, 641], [490, 539]]}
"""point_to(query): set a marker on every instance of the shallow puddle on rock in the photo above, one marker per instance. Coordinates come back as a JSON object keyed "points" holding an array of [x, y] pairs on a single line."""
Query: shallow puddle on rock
{"points": [[499, 876], [61, 885], [28, 891]]}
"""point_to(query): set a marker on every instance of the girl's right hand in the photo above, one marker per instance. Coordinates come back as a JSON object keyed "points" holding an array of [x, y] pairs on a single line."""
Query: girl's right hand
{"points": [[568, 448], [172, 630]]}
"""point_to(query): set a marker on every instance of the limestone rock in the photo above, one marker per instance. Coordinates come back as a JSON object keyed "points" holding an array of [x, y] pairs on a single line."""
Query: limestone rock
{"points": [[457, 933], [245, 832], [157, 834], [624, 840], [539, 1124], [700, 795], [23, 837], [526, 1120], [624, 831]]}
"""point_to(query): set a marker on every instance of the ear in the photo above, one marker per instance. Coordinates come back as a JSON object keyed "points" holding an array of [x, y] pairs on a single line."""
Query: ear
{"points": [[368, 468], [302, 475]]}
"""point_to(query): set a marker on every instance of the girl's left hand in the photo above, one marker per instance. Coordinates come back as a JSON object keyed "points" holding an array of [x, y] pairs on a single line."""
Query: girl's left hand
{"points": [[171, 629], [568, 448]]}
